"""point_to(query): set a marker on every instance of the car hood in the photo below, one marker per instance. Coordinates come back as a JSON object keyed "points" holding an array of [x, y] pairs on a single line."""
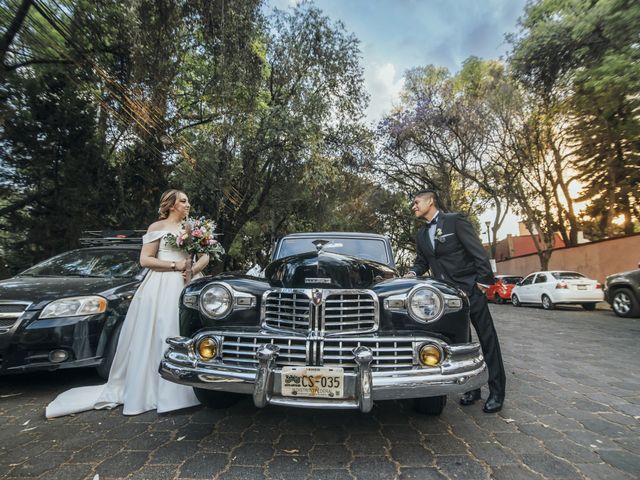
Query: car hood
{"points": [[326, 270], [38, 289]]}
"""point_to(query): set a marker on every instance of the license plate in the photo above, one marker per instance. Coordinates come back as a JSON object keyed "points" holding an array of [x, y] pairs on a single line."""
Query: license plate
{"points": [[582, 287], [315, 382]]}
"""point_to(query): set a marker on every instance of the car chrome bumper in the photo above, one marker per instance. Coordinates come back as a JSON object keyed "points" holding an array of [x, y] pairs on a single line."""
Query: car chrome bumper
{"points": [[465, 370]]}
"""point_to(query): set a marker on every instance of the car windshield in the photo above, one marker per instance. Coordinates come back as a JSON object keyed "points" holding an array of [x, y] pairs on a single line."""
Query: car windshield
{"points": [[88, 263], [511, 280], [369, 248], [567, 275]]}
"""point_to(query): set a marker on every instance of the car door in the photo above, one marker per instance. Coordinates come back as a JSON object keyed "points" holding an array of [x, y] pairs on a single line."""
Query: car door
{"points": [[539, 287], [524, 290]]}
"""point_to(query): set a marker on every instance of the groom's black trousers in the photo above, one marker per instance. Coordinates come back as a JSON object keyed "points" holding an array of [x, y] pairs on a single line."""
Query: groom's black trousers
{"points": [[483, 323]]}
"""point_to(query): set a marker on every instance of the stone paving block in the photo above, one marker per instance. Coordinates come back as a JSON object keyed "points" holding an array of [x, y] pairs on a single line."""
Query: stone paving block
{"points": [[329, 435], [148, 441], [491, 452], [426, 424], [122, 464], [519, 442], [603, 471], [155, 472], [372, 468], [410, 455], [288, 467], [76, 471], [559, 422], [514, 472], [252, 454], [261, 434], [126, 431], [401, 434], [333, 474], [294, 444], [549, 466], [195, 431], [174, 452], [603, 427], [96, 452], [461, 467], [242, 473], [444, 445], [619, 418], [221, 442], [423, 473], [329, 456], [39, 464], [203, 465], [623, 460], [367, 444], [571, 451], [540, 431], [169, 422]]}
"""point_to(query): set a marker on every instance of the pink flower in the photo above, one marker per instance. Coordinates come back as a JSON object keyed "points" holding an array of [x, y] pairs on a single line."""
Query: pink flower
{"points": [[197, 233]]}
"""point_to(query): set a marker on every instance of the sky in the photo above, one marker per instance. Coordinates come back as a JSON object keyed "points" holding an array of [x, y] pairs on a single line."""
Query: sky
{"points": [[397, 35]]}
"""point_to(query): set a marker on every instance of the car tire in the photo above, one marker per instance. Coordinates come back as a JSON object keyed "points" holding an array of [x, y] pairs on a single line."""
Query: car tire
{"points": [[432, 406], [515, 301], [215, 399], [498, 299], [589, 306], [109, 353], [624, 304], [547, 304]]}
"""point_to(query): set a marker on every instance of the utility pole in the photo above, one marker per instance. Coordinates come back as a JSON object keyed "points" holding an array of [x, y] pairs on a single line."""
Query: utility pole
{"points": [[488, 224]]}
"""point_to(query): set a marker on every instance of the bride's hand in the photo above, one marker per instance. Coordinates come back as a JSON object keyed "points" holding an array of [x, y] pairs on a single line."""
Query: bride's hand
{"points": [[181, 266]]}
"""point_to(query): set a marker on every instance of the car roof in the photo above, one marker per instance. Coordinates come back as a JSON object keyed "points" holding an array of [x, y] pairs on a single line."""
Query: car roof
{"points": [[336, 234]]}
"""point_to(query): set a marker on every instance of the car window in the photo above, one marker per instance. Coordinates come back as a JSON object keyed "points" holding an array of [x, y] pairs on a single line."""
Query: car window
{"points": [[370, 248], [89, 263], [541, 278], [528, 280], [567, 275], [510, 280]]}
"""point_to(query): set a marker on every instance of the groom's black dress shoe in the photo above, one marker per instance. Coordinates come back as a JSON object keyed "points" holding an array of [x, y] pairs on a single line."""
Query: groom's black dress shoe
{"points": [[469, 398], [493, 404]]}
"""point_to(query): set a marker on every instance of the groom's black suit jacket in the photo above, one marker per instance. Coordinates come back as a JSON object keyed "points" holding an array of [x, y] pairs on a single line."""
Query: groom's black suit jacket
{"points": [[458, 256]]}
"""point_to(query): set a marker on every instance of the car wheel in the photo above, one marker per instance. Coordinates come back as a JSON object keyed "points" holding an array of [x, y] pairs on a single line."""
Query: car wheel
{"points": [[515, 301], [547, 304], [430, 405], [105, 367], [215, 399], [624, 304], [498, 299], [589, 306]]}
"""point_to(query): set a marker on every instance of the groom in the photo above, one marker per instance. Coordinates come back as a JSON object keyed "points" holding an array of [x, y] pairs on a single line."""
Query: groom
{"points": [[449, 247]]}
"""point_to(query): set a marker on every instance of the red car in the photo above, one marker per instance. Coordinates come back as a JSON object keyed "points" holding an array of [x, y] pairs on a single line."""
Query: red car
{"points": [[500, 292]]}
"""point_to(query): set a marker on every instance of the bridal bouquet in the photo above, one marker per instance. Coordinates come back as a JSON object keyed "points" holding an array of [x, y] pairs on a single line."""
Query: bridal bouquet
{"points": [[197, 235]]}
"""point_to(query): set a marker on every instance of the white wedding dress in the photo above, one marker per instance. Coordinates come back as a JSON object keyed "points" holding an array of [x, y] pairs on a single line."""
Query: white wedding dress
{"points": [[134, 380]]}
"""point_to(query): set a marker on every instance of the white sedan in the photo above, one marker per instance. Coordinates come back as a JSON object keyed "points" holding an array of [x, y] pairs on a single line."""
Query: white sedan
{"points": [[557, 287]]}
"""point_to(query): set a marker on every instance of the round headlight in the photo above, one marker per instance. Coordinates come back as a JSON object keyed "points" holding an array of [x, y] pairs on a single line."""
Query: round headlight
{"points": [[430, 355], [207, 348], [425, 304], [216, 301]]}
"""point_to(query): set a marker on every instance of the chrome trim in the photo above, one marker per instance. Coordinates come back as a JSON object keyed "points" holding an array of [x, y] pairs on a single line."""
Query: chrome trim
{"points": [[192, 300], [465, 370], [314, 318], [17, 316]]}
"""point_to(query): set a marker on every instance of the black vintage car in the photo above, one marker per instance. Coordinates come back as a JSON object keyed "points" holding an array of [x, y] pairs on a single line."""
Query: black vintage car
{"points": [[330, 326], [67, 311]]}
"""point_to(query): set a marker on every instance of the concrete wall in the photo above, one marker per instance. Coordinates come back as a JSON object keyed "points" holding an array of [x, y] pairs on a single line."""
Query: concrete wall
{"points": [[595, 259]]}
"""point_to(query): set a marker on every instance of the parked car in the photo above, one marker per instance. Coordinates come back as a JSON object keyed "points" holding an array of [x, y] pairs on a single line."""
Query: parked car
{"points": [[67, 311], [558, 287], [622, 291], [332, 325], [500, 291]]}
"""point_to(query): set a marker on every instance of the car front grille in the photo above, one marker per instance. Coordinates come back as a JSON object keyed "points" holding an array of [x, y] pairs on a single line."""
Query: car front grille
{"points": [[330, 312], [388, 354], [10, 313]]}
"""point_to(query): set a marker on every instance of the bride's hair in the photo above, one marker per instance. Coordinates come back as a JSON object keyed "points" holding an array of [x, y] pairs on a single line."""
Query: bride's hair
{"points": [[168, 200]]}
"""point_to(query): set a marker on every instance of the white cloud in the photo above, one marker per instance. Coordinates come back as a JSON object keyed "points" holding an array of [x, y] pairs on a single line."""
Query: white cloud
{"points": [[384, 84]]}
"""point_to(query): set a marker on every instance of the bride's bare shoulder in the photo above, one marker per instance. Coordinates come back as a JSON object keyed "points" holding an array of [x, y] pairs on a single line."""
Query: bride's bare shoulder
{"points": [[157, 226]]}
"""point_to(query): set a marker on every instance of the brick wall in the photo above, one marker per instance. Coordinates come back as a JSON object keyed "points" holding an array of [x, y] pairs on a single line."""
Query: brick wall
{"points": [[595, 259]]}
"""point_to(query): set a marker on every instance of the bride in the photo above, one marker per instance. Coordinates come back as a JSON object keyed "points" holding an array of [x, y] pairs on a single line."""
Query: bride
{"points": [[134, 381]]}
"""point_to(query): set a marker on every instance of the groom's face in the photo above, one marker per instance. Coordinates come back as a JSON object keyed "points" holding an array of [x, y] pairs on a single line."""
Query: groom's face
{"points": [[421, 206]]}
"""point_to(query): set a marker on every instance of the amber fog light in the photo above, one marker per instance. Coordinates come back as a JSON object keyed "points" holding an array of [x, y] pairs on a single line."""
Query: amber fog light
{"points": [[207, 348], [430, 355]]}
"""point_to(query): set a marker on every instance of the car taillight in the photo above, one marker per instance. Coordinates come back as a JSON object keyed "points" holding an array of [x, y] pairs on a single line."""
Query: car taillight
{"points": [[598, 285], [562, 285]]}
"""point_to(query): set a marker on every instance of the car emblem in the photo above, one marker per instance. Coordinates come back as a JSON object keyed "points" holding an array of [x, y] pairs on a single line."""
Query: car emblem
{"points": [[316, 296]]}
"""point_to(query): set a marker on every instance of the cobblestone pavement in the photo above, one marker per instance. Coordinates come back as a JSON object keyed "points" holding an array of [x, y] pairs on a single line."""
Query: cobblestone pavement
{"points": [[572, 411]]}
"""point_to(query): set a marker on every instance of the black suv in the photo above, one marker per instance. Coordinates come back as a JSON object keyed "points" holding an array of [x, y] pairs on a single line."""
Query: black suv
{"points": [[67, 311], [622, 291]]}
